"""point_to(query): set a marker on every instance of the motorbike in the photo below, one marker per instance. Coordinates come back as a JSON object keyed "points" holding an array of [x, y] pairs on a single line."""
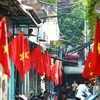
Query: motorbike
{"points": [[89, 96], [31, 97], [20, 97]]}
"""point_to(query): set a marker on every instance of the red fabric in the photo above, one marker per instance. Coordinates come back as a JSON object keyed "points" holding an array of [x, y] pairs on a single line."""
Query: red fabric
{"points": [[96, 49], [44, 61], [51, 71], [49, 67], [88, 72], [91, 77], [71, 57], [16, 51], [60, 72], [4, 53], [37, 60], [47, 64], [27, 63], [87, 65], [55, 73]]}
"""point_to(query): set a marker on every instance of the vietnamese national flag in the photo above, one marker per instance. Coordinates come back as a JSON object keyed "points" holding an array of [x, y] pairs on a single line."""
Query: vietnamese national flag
{"points": [[51, 70], [47, 63], [87, 65], [96, 49], [27, 62], [60, 71], [49, 66], [37, 60], [88, 72], [91, 77], [4, 53], [56, 74], [16, 51]]}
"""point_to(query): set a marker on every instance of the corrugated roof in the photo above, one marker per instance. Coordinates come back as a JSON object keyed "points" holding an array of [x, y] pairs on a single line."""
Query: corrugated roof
{"points": [[18, 14]]}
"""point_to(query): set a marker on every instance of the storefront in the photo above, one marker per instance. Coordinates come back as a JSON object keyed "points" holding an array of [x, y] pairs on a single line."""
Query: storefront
{"points": [[18, 19]]}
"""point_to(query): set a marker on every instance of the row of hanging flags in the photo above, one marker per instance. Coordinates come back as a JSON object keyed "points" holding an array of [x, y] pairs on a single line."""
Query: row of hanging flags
{"points": [[92, 65], [19, 52]]}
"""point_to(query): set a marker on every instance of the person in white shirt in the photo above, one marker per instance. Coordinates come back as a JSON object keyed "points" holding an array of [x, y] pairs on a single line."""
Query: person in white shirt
{"points": [[81, 89]]}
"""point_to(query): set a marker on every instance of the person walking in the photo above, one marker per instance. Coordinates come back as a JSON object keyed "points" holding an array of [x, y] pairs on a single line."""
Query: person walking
{"points": [[81, 89], [74, 87]]}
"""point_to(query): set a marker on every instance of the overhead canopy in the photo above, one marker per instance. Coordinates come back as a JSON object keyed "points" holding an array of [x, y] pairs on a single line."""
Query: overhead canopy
{"points": [[79, 47], [72, 70], [18, 13], [39, 8]]}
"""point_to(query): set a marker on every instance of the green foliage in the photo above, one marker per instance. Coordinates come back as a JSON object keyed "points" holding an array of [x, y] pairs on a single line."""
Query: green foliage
{"points": [[91, 15], [72, 25], [51, 1], [58, 44]]}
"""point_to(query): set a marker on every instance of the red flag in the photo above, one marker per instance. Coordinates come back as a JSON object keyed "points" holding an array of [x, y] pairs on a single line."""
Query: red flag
{"points": [[4, 53], [88, 72], [87, 65], [44, 61], [49, 66], [27, 63], [56, 74], [96, 49], [60, 71], [91, 77], [37, 60], [51, 71], [58, 63], [47, 62], [16, 51]]}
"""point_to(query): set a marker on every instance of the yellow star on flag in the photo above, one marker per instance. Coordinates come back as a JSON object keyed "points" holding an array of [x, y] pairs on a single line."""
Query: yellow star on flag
{"points": [[26, 54], [92, 79], [5, 48], [50, 67], [89, 64], [91, 74], [56, 75], [98, 48], [22, 57]]}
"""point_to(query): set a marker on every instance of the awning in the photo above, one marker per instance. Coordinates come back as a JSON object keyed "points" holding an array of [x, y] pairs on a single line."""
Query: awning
{"points": [[79, 47], [72, 70], [40, 9], [18, 14]]}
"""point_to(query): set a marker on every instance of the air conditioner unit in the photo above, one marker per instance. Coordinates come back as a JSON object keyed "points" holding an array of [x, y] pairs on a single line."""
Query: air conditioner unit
{"points": [[42, 35]]}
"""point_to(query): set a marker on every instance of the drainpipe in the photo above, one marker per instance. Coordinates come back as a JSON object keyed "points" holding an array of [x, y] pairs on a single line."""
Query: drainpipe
{"points": [[11, 83], [85, 40]]}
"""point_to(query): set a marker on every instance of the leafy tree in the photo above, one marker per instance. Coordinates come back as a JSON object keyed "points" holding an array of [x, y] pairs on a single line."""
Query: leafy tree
{"points": [[51, 1], [71, 24], [91, 15]]}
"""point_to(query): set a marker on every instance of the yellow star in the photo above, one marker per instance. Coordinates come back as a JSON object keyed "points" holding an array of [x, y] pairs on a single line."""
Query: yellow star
{"points": [[56, 75], [50, 67], [26, 54], [92, 78], [98, 48], [5, 48], [22, 56], [91, 74], [89, 64]]}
